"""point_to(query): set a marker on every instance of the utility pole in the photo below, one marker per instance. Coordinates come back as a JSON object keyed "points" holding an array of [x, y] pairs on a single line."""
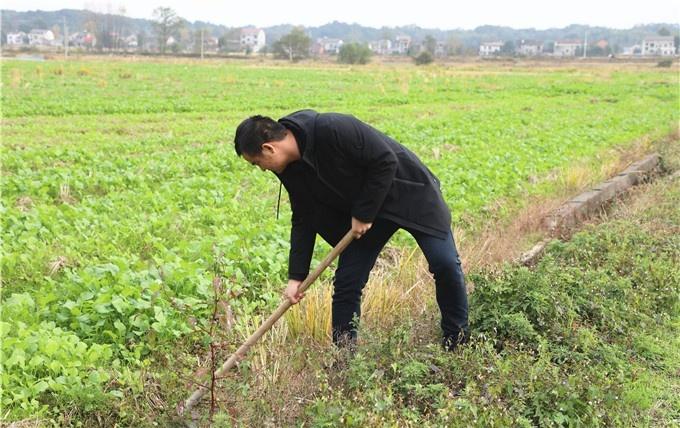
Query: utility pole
{"points": [[65, 39], [585, 46], [202, 30]]}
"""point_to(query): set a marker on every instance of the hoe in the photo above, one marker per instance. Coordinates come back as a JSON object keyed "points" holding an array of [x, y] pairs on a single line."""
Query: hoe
{"points": [[283, 307]]}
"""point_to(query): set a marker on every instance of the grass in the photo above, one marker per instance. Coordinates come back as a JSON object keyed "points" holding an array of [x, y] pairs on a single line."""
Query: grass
{"points": [[122, 200]]}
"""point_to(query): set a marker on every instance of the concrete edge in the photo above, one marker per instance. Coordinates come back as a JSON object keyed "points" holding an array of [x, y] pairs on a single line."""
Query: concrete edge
{"points": [[590, 202]]}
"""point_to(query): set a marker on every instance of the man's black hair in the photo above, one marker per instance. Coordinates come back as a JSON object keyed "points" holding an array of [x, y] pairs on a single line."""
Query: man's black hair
{"points": [[255, 131]]}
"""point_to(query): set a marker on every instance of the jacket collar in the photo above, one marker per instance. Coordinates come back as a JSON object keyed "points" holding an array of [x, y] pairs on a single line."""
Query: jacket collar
{"points": [[303, 123]]}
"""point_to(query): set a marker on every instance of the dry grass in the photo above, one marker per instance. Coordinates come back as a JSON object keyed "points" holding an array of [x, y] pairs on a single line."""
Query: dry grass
{"points": [[24, 203], [56, 265], [399, 286], [26, 423], [15, 78], [65, 196]]}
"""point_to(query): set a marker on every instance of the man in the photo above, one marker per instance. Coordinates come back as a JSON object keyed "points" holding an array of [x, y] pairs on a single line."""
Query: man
{"points": [[341, 173]]}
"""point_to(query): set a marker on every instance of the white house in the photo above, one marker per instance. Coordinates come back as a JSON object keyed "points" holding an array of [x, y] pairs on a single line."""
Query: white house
{"points": [[16, 39], [401, 45], [658, 46], [212, 44], [253, 39], [490, 48], [330, 46], [381, 47], [130, 41], [566, 47], [529, 48], [40, 38]]}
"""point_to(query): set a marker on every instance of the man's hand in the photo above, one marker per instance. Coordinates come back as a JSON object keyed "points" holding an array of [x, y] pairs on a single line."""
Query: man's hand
{"points": [[291, 292], [359, 228]]}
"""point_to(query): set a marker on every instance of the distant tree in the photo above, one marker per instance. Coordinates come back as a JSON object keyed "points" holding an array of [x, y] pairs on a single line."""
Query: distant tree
{"points": [[386, 33], [141, 40], [104, 39], [424, 58], [430, 44], [413, 50], [118, 24], [166, 24], [663, 31], [56, 30], [185, 38], [549, 47], [676, 40], [595, 50], [508, 48], [198, 38], [38, 24], [294, 45], [354, 53], [230, 41], [454, 47]]}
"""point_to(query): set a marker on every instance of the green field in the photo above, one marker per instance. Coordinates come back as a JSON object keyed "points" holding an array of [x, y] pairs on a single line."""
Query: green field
{"points": [[122, 197]]}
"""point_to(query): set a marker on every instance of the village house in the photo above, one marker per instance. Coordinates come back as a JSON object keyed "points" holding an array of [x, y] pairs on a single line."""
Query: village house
{"points": [[130, 42], [529, 48], [401, 45], [381, 47], [602, 44], [330, 46], [490, 48], [41, 38], [566, 48], [440, 49], [17, 39], [82, 39], [252, 39], [658, 46], [211, 44]]}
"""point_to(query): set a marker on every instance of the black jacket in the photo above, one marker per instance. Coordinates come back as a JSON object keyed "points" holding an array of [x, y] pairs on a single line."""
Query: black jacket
{"points": [[349, 169]]}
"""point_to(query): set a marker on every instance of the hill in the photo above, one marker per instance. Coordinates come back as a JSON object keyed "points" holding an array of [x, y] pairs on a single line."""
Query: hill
{"points": [[79, 20]]}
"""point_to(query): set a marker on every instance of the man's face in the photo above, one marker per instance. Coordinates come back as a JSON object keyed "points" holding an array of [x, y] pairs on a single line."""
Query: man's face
{"points": [[270, 159]]}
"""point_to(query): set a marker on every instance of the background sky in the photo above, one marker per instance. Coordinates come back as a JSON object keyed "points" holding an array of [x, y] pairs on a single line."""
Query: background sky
{"points": [[424, 13]]}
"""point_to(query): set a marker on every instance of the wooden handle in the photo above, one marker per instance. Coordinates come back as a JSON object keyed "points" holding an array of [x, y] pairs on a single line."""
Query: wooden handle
{"points": [[278, 313]]}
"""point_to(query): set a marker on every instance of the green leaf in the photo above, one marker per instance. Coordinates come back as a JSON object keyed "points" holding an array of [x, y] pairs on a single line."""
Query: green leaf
{"points": [[119, 304], [159, 315]]}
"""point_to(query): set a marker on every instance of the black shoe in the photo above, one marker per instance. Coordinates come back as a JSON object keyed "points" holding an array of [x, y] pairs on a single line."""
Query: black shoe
{"points": [[451, 341]]}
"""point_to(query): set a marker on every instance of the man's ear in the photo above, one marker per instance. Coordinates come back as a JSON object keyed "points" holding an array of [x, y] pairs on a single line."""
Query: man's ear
{"points": [[268, 148]]}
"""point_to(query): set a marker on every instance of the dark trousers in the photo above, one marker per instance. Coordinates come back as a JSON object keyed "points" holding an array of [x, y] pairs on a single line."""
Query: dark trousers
{"points": [[358, 259]]}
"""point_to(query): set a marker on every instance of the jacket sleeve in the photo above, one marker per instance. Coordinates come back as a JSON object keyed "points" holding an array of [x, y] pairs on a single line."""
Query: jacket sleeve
{"points": [[369, 150], [302, 237]]}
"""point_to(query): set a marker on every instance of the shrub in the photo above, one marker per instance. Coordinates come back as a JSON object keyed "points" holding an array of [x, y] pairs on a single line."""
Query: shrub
{"points": [[424, 58], [665, 63], [354, 53]]}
